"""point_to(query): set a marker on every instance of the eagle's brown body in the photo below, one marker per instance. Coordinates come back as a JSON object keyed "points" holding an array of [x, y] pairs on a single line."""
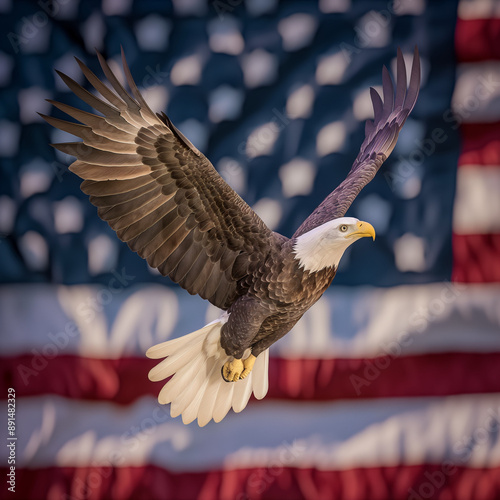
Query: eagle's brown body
{"points": [[272, 301], [168, 203]]}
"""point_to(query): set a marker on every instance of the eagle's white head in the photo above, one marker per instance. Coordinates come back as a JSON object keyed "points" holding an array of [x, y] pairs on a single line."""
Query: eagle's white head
{"points": [[324, 245]]}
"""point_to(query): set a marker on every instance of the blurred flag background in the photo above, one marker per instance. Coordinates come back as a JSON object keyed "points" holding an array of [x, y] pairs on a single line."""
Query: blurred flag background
{"points": [[389, 387]]}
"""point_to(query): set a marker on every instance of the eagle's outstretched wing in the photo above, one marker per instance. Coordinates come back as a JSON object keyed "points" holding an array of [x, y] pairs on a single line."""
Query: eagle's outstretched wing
{"points": [[381, 136], [159, 193]]}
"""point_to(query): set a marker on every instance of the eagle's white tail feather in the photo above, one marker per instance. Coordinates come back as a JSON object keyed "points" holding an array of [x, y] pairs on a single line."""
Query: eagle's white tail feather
{"points": [[175, 362], [191, 380], [167, 348], [260, 369], [173, 390], [242, 394], [223, 401], [197, 389], [189, 394], [193, 409], [208, 401]]}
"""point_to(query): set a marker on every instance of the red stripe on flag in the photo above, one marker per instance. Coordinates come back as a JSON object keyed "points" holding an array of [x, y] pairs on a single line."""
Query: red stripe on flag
{"points": [[476, 258], [403, 482], [477, 39], [124, 380], [480, 144]]}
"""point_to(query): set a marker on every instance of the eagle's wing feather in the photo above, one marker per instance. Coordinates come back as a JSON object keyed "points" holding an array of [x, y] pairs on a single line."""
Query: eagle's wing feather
{"points": [[159, 193], [381, 137]]}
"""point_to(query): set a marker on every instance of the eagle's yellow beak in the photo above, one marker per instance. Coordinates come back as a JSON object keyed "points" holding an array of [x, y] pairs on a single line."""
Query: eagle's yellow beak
{"points": [[364, 229]]}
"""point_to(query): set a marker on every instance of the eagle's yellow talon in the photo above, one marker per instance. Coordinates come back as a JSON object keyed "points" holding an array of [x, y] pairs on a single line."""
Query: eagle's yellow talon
{"points": [[238, 369], [248, 364], [231, 370]]}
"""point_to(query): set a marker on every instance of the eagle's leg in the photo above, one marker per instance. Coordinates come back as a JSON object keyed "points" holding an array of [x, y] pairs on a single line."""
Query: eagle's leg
{"points": [[248, 364], [277, 332], [245, 319]]}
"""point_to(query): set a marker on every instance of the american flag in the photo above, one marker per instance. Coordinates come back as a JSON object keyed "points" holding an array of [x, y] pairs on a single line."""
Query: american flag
{"points": [[389, 387]]}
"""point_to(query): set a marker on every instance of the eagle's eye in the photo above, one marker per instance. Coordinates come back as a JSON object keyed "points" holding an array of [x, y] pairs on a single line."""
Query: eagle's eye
{"points": [[343, 228]]}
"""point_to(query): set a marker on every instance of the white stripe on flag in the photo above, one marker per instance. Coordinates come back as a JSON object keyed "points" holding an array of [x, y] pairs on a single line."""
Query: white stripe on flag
{"points": [[477, 202], [478, 9], [54, 431], [360, 322]]}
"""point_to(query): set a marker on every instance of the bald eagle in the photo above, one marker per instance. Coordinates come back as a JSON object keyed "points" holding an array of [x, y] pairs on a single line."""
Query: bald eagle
{"points": [[164, 198]]}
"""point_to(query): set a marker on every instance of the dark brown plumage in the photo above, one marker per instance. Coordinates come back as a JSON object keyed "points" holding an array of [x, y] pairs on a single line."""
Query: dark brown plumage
{"points": [[159, 193], [381, 136], [169, 204]]}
